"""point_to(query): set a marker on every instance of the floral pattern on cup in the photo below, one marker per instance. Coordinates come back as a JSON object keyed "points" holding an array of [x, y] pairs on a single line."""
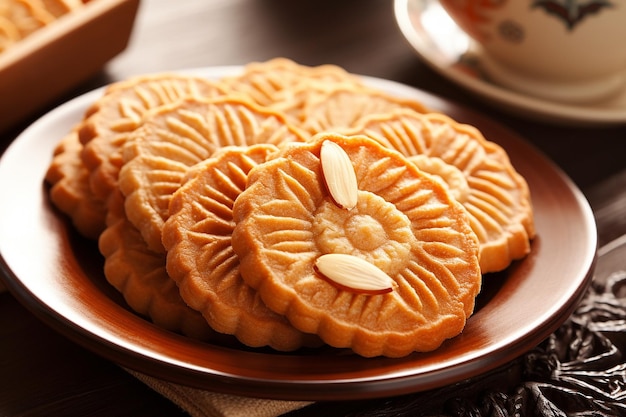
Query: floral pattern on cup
{"points": [[474, 13], [572, 12]]}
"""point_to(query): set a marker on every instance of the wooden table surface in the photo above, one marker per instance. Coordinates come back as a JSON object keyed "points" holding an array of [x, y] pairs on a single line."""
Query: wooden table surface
{"points": [[42, 373]]}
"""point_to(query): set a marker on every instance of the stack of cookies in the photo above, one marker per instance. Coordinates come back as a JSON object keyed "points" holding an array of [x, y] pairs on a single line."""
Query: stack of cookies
{"points": [[291, 206]]}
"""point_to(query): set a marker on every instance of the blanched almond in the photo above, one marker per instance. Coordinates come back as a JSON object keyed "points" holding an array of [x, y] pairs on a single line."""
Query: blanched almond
{"points": [[339, 175], [353, 273]]}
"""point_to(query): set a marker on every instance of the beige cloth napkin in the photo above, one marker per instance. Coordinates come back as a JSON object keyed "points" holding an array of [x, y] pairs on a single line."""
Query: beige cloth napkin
{"points": [[200, 403]]}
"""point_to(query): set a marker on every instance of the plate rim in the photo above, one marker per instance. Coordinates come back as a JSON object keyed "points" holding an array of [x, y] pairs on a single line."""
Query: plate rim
{"points": [[395, 380], [516, 102]]}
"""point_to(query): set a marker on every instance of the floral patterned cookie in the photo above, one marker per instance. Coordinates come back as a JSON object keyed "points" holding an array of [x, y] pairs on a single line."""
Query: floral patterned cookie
{"points": [[273, 82], [197, 236], [69, 188], [354, 243], [175, 137], [140, 276], [111, 119], [496, 197], [26, 15], [342, 107]]}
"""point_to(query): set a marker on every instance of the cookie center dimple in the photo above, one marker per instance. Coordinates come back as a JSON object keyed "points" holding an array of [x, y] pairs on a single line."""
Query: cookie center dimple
{"points": [[365, 232], [374, 230]]}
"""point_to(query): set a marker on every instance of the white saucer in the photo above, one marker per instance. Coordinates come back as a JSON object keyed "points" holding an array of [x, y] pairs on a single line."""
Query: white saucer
{"points": [[449, 51]]}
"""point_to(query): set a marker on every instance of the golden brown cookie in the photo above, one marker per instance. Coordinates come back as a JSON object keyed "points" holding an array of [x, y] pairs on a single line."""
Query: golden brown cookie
{"points": [[70, 190], [140, 276], [404, 226], [273, 83], [58, 8], [497, 197], [341, 107], [120, 111], [9, 34], [449, 175], [200, 258], [28, 16], [174, 138]]}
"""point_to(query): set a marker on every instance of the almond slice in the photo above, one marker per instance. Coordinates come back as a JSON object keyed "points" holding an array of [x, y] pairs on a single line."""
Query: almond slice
{"points": [[339, 175], [354, 274]]}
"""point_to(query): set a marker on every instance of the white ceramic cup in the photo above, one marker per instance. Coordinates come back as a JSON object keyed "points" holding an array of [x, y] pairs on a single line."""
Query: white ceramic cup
{"points": [[563, 50]]}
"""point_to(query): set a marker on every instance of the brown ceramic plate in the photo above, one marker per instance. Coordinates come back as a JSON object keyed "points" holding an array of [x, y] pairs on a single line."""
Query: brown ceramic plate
{"points": [[58, 276]]}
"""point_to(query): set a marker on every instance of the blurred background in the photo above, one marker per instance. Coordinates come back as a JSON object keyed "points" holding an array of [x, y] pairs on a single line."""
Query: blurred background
{"points": [[361, 36]]}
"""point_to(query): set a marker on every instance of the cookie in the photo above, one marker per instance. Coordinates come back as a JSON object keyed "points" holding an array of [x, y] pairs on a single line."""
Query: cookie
{"points": [[273, 83], [69, 188], [140, 276], [9, 34], [286, 86], [403, 225], [28, 16], [58, 8], [497, 196], [120, 111], [450, 176], [200, 258], [174, 138], [343, 106]]}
